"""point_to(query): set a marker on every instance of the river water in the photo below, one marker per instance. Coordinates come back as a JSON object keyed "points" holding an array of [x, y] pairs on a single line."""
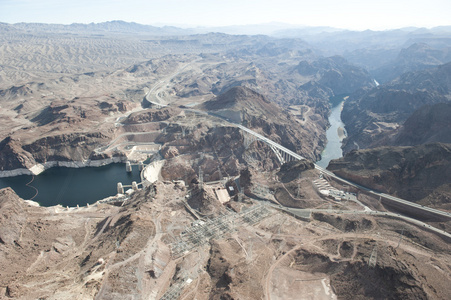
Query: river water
{"points": [[72, 186], [335, 135]]}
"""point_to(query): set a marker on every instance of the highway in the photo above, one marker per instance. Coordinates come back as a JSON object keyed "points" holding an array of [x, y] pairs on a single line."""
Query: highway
{"points": [[149, 93], [158, 86], [324, 171], [102, 149], [375, 193], [386, 196], [270, 142], [303, 212]]}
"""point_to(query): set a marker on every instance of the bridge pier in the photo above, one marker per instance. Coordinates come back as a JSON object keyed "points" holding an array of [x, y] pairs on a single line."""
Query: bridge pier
{"points": [[282, 155], [278, 153], [141, 165], [134, 186]]}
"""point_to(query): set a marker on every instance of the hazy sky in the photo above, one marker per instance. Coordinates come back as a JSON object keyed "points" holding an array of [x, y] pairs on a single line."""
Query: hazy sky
{"points": [[351, 14]]}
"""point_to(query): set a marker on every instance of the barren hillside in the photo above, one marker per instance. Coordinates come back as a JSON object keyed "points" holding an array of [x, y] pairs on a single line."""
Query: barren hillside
{"points": [[222, 211]]}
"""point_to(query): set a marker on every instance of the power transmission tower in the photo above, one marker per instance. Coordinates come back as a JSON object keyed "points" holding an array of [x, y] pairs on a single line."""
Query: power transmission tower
{"points": [[201, 177]]}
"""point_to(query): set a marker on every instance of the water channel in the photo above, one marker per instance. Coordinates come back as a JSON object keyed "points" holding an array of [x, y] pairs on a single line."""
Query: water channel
{"points": [[335, 135], [71, 186]]}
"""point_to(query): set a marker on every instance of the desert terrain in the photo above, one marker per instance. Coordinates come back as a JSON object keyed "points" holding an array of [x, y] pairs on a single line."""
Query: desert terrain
{"points": [[221, 213]]}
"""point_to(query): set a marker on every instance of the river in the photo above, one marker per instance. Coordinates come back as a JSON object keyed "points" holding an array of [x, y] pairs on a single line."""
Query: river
{"points": [[335, 135], [72, 186]]}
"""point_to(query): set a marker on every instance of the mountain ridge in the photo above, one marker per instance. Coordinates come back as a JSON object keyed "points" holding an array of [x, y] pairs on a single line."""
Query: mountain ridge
{"points": [[419, 173], [370, 114]]}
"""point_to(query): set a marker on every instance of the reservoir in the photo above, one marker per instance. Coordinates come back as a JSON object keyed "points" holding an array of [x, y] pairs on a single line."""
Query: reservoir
{"points": [[335, 135], [71, 186]]}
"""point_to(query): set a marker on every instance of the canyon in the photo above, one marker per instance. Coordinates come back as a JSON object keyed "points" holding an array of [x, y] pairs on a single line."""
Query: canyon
{"points": [[223, 214]]}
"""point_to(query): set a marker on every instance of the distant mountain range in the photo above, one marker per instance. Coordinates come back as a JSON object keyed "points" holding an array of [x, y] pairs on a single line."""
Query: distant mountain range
{"points": [[310, 33], [112, 27], [417, 56]]}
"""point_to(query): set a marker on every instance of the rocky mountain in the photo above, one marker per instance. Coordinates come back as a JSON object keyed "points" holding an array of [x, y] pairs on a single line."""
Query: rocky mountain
{"points": [[420, 174], [59, 90], [337, 74], [358, 45], [33, 52], [251, 109], [370, 114], [417, 56], [428, 124], [61, 131], [151, 115]]}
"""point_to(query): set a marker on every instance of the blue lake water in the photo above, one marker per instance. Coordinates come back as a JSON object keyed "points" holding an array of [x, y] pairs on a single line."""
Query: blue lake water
{"points": [[71, 186], [333, 147]]}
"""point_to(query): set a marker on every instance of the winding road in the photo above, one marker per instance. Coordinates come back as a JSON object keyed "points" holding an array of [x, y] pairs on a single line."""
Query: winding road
{"points": [[157, 87]]}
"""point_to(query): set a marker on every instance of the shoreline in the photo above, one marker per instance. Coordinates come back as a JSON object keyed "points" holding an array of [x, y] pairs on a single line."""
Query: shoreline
{"points": [[335, 135], [39, 168]]}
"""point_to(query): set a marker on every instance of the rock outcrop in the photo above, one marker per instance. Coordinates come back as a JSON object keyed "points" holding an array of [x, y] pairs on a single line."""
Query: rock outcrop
{"points": [[336, 74], [411, 173], [370, 114], [14, 154], [12, 217], [418, 56], [151, 115], [428, 124], [253, 110]]}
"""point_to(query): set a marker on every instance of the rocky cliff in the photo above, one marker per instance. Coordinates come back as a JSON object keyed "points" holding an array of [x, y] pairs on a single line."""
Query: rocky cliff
{"points": [[420, 174], [151, 115], [428, 124], [336, 74], [69, 147], [251, 109], [418, 56], [370, 114], [64, 131]]}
